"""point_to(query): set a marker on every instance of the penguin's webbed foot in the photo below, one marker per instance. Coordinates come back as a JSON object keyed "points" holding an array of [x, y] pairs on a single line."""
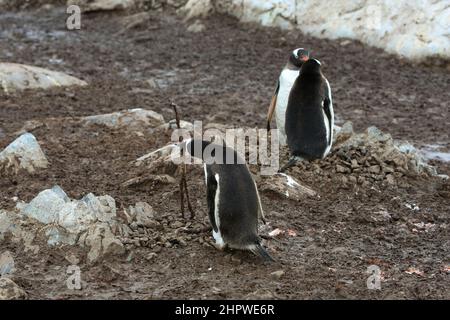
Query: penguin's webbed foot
{"points": [[290, 163]]}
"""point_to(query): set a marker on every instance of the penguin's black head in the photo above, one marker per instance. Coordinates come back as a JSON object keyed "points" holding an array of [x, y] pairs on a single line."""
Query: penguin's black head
{"points": [[311, 66], [298, 57]]}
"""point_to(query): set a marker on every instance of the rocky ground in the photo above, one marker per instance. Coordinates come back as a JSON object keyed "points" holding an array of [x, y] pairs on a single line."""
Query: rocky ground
{"points": [[371, 202]]}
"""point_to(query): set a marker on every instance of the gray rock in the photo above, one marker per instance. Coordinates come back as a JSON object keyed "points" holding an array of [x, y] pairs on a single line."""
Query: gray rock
{"points": [[104, 207], [374, 169], [54, 206], [10, 224], [23, 153], [68, 218], [143, 214], [102, 242], [9, 290], [6, 263], [343, 133], [390, 179], [342, 169], [57, 235], [6, 223]]}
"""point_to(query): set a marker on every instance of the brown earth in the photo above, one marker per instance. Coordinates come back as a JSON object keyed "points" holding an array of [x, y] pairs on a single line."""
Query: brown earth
{"points": [[227, 75]]}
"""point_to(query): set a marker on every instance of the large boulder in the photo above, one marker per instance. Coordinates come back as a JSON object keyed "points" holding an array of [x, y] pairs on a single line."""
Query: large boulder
{"points": [[15, 77], [88, 222], [414, 29], [23, 153]]}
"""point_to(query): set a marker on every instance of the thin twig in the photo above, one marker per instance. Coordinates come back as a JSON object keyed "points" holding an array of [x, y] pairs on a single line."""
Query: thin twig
{"points": [[183, 182]]}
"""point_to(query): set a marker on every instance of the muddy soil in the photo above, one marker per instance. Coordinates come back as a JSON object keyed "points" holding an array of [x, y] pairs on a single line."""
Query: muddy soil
{"points": [[226, 74]]}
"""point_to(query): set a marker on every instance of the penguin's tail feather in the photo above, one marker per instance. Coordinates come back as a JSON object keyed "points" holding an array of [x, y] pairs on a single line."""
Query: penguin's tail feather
{"points": [[259, 250]]}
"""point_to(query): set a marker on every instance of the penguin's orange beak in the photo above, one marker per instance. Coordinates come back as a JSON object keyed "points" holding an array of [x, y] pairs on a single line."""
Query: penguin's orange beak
{"points": [[304, 58]]}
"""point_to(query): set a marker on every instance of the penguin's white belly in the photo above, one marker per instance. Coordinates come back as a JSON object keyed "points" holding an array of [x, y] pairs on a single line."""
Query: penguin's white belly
{"points": [[217, 235], [287, 79]]}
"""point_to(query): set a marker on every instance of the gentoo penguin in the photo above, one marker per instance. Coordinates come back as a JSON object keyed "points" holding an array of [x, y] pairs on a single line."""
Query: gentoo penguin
{"points": [[309, 115], [280, 98], [234, 205]]}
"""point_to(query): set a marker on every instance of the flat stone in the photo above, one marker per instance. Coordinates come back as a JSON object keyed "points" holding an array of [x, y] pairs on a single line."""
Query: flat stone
{"points": [[14, 77], [133, 119]]}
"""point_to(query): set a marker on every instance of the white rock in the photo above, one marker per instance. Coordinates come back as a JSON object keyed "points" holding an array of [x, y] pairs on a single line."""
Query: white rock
{"points": [[46, 206], [412, 28], [9, 290], [132, 119], [286, 186], [6, 263], [102, 5], [196, 27], [15, 76], [196, 8], [23, 153], [172, 125]]}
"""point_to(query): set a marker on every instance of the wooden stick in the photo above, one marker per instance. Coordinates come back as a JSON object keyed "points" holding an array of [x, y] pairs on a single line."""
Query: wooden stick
{"points": [[183, 182]]}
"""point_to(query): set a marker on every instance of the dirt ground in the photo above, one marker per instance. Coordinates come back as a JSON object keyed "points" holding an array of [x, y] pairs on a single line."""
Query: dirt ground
{"points": [[226, 74]]}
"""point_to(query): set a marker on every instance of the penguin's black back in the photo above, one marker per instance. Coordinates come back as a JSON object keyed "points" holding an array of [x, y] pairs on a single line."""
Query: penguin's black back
{"points": [[238, 203], [238, 199], [305, 126]]}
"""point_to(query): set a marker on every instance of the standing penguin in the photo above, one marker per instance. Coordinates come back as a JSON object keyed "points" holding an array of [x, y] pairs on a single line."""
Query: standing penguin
{"points": [[280, 98], [234, 205], [309, 115]]}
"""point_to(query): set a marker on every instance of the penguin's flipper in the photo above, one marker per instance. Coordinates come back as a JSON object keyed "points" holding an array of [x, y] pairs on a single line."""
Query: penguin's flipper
{"points": [[259, 250], [292, 161], [211, 189], [326, 108], [273, 103]]}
